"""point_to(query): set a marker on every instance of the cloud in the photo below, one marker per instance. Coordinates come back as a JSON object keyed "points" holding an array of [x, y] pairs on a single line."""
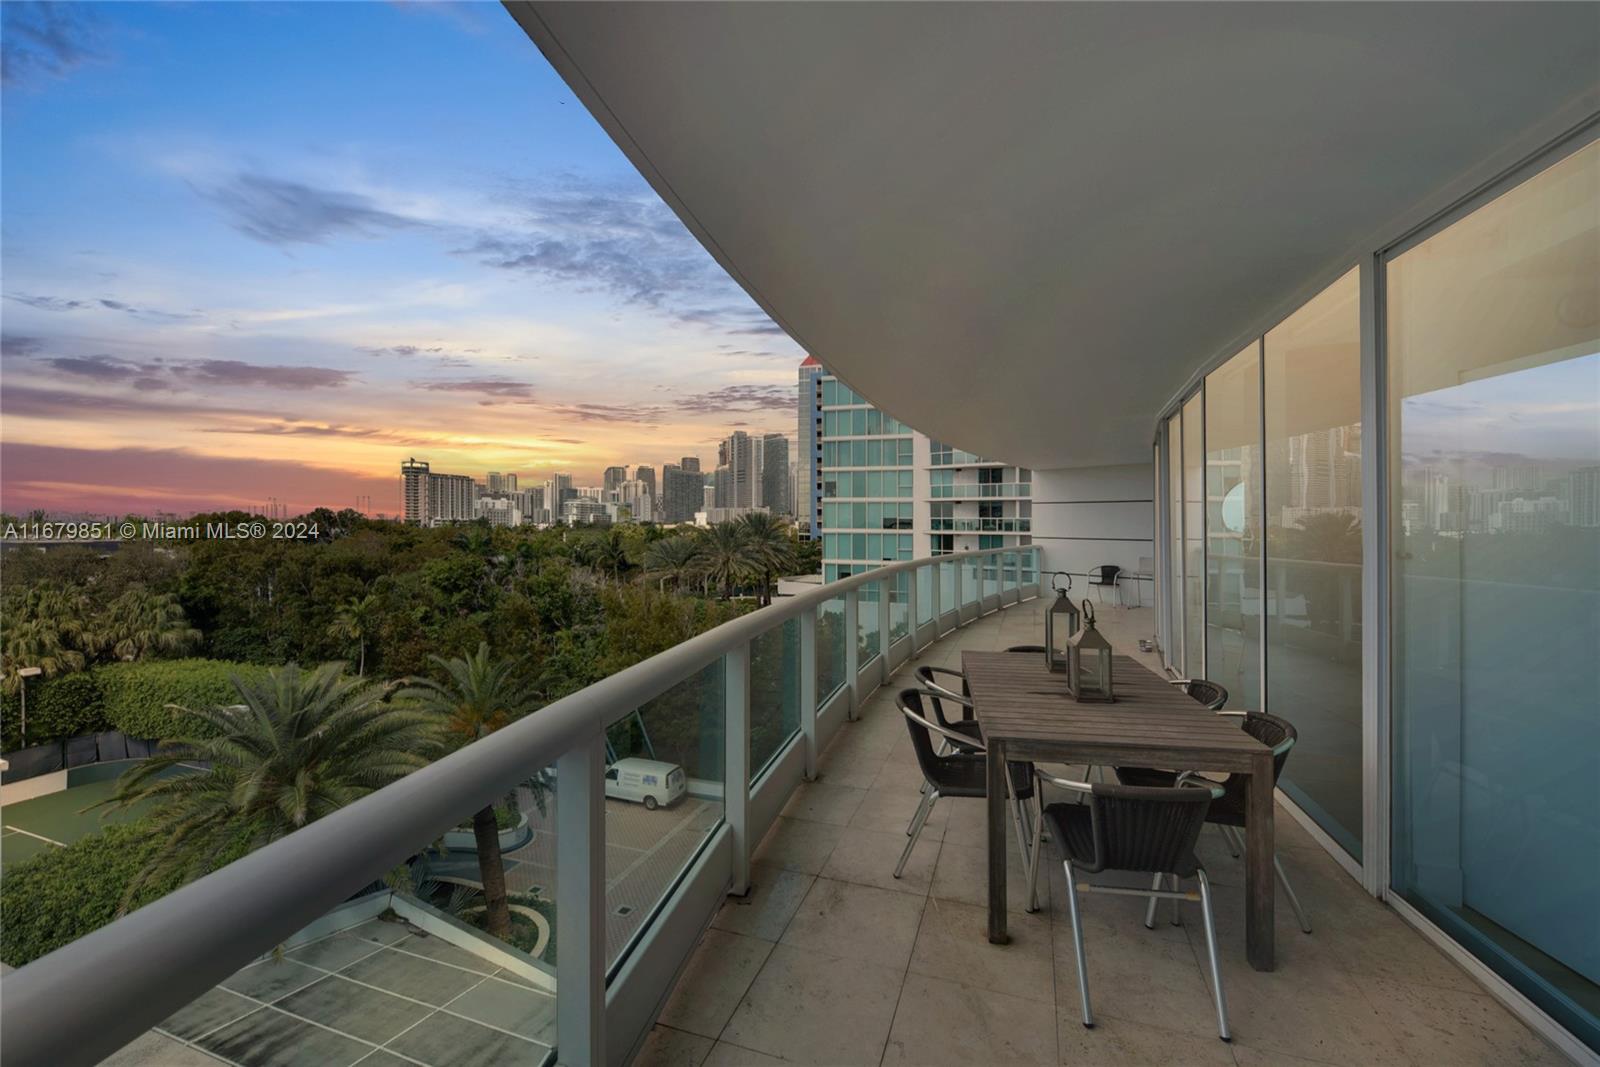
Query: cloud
{"points": [[233, 372], [14, 344], [48, 303], [609, 412], [280, 212], [741, 398], [33, 402], [102, 368], [305, 429], [503, 388], [40, 42], [444, 356]]}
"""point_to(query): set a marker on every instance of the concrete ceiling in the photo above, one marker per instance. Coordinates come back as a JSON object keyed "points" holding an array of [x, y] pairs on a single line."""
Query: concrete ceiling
{"points": [[1022, 227]]}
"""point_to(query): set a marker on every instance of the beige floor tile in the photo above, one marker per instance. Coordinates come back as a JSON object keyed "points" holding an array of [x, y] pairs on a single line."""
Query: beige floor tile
{"points": [[901, 775], [726, 1055], [797, 845], [715, 979], [953, 943], [856, 922], [890, 811], [825, 803], [962, 875], [666, 1047], [806, 1006], [942, 1022], [868, 857], [1119, 1041], [1446, 1026], [848, 765], [1136, 976], [774, 897], [1245, 1056]]}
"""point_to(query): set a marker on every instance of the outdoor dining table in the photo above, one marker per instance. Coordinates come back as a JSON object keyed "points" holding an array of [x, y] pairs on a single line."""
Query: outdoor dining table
{"points": [[1025, 713]]}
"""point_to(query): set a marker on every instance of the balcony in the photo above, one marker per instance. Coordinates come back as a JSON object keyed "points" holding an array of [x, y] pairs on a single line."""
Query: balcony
{"points": [[939, 525], [980, 490]]}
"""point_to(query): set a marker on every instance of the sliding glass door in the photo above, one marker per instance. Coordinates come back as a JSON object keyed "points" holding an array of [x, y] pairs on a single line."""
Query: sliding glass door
{"points": [[1493, 348], [1233, 528]]}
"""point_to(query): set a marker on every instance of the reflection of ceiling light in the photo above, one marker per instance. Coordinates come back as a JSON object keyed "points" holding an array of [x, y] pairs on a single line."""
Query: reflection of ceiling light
{"points": [[1233, 509], [1579, 307]]}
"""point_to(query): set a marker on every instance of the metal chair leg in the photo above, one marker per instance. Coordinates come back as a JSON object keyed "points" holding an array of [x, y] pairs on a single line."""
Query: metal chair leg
{"points": [[1155, 902], [1077, 944], [916, 830], [1233, 842], [1177, 916], [1038, 849], [1211, 953], [912, 825], [1288, 891]]}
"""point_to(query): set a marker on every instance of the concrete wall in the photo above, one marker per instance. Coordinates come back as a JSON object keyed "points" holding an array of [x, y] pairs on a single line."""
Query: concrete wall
{"points": [[1087, 516]]}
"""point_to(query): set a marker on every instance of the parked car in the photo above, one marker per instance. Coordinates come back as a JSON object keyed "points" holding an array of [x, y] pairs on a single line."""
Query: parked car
{"points": [[653, 783]]}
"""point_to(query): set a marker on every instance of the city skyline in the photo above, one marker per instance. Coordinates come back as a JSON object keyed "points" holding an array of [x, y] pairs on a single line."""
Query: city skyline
{"points": [[197, 318]]}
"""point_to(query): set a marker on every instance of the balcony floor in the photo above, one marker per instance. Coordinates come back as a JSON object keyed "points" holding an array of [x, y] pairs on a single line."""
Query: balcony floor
{"points": [[831, 960]]}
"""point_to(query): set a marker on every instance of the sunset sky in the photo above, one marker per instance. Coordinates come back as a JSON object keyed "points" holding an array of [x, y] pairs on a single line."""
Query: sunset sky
{"points": [[258, 250]]}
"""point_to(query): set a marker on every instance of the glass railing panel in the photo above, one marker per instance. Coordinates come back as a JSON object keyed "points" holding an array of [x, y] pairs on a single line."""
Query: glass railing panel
{"points": [[830, 649], [774, 692], [1008, 572], [924, 595], [899, 606], [970, 577], [990, 568], [947, 587], [869, 641], [664, 785], [1030, 567]]}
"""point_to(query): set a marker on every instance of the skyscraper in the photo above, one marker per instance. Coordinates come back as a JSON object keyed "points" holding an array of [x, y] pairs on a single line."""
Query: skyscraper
{"points": [[808, 443], [614, 477], [647, 475], [681, 494], [737, 456], [429, 498], [557, 491], [690, 464], [414, 491], [775, 493]]}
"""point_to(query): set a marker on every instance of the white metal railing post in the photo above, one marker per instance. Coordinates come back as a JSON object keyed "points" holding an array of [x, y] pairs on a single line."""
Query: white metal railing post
{"points": [[581, 889], [852, 652], [913, 576], [885, 638], [955, 574], [736, 761], [808, 690]]}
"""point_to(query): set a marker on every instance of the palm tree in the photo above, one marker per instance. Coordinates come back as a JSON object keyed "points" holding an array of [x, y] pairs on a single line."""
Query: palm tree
{"points": [[300, 745], [139, 623], [770, 546], [356, 620], [47, 628], [482, 696], [725, 556], [672, 557]]}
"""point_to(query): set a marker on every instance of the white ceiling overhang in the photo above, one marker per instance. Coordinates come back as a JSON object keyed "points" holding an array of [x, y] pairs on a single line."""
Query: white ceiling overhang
{"points": [[1022, 228]]}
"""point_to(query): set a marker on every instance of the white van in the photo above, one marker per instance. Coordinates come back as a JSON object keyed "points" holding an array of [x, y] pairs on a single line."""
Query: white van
{"points": [[652, 783]]}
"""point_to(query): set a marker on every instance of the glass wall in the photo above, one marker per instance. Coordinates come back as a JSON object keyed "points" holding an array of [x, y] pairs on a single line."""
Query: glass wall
{"points": [[1493, 351], [831, 637], [1312, 397], [870, 641], [1174, 547], [774, 692], [1194, 539], [1233, 528]]}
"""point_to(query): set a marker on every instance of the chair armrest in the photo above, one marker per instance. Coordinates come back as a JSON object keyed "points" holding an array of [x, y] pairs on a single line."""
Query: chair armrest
{"points": [[1235, 714], [1191, 779], [1063, 783]]}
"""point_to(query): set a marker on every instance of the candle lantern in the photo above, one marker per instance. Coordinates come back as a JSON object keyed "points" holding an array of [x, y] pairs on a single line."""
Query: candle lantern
{"points": [[1060, 623], [1089, 663]]}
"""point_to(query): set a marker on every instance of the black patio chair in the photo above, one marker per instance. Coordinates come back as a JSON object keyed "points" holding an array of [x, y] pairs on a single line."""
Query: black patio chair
{"points": [[1211, 694], [1144, 830], [1228, 813], [961, 772]]}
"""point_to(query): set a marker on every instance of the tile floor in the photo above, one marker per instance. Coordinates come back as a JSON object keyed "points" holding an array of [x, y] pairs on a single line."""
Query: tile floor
{"points": [[833, 961]]}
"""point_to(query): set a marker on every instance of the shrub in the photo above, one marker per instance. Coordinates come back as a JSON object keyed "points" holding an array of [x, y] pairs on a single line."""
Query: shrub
{"points": [[136, 694], [59, 707], [60, 895]]}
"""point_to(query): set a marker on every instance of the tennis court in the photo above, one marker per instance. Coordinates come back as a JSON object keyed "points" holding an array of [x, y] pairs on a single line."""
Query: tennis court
{"points": [[28, 827]]}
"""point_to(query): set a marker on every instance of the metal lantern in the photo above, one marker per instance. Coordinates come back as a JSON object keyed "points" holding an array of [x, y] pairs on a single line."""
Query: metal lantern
{"points": [[1060, 623], [1089, 663]]}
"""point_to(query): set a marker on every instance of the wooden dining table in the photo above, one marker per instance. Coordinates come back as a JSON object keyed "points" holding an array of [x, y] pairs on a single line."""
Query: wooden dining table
{"points": [[1025, 713]]}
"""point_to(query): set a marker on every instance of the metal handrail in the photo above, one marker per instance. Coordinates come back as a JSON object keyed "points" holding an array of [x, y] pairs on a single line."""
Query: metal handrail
{"points": [[88, 998]]}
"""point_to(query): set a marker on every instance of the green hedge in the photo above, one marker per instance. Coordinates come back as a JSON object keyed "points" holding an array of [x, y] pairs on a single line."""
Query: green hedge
{"points": [[63, 706], [60, 895], [136, 694]]}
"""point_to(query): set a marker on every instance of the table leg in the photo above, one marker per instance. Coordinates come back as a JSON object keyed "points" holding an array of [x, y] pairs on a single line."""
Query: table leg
{"points": [[1259, 846], [995, 767]]}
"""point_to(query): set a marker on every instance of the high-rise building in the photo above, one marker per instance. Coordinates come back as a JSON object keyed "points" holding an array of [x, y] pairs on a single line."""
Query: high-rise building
{"points": [[808, 444], [578, 511], [414, 491], [890, 493], [775, 493], [647, 475], [1583, 496], [681, 494], [613, 477], [499, 510], [451, 498], [737, 486], [557, 491], [498, 483], [636, 497], [690, 464]]}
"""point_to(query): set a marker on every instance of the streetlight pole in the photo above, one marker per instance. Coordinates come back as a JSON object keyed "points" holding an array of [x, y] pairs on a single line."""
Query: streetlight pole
{"points": [[23, 674]]}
